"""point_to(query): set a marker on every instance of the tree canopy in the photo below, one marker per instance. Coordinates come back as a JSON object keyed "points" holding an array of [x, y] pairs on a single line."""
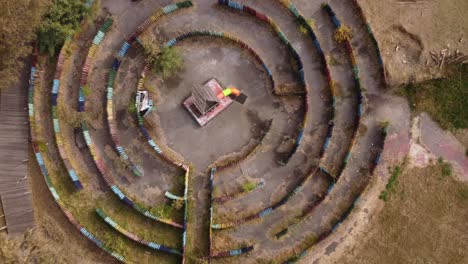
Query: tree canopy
{"points": [[61, 20]]}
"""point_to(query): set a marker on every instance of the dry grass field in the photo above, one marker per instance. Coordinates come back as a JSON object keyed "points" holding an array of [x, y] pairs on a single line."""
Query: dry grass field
{"points": [[423, 221]]}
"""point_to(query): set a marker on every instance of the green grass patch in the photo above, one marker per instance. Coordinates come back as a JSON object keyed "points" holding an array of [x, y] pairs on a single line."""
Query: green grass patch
{"points": [[131, 108], [444, 99], [249, 186], [391, 184], [446, 169], [86, 90]]}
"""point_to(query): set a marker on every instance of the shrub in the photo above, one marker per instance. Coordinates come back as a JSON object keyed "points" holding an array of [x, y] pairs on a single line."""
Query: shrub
{"points": [[177, 204], [168, 63], [86, 90], [333, 61], [343, 34], [163, 211], [446, 169], [69, 115], [42, 147], [249, 186], [115, 243], [384, 124], [62, 20], [131, 108]]}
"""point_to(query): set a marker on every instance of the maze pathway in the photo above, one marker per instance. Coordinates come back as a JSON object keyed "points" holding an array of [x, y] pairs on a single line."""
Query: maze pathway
{"points": [[145, 190]]}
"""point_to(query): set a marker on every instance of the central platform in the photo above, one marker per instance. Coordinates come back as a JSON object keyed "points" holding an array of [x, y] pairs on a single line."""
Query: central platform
{"points": [[203, 118]]}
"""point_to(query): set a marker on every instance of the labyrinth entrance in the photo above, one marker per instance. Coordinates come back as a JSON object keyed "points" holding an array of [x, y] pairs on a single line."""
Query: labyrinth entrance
{"points": [[267, 181]]}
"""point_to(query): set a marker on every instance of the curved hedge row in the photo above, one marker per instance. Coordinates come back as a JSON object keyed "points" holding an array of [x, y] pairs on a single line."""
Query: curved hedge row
{"points": [[228, 253], [56, 123], [225, 198], [98, 157], [251, 152], [349, 50], [210, 190], [126, 45], [145, 133], [268, 210], [300, 69], [45, 173], [134, 237], [219, 34], [325, 70], [161, 153], [108, 178], [373, 165], [113, 72], [357, 83], [228, 36], [100, 35], [373, 40]]}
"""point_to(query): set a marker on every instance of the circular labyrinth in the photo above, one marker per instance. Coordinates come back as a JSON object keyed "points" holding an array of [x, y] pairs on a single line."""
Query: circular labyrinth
{"points": [[284, 177]]}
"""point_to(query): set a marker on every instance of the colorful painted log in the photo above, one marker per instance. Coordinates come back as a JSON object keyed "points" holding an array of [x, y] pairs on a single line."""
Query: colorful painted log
{"points": [[134, 237], [126, 45], [357, 84], [55, 119], [373, 41], [211, 188], [40, 160], [325, 68], [225, 198], [108, 178], [97, 155], [267, 211], [375, 162], [98, 39], [295, 55], [232, 253]]}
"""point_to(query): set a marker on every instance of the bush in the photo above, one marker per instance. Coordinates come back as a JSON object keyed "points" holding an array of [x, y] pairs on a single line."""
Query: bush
{"points": [[303, 28], [166, 62], [445, 167], [249, 186], [70, 116], [131, 108], [177, 204], [86, 90], [62, 20], [163, 211], [343, 33]]}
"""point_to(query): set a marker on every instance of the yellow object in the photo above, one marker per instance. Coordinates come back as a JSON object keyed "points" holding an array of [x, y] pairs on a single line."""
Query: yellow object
{"points": [[228, 91]]}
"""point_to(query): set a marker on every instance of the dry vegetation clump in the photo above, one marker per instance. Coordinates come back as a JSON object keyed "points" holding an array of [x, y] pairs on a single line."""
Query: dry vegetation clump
{"points": [[423, 221], [343, 34]]}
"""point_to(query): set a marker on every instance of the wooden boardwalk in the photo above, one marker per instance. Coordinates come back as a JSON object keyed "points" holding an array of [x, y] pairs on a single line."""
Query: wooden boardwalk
{"points": [[15, 194]]}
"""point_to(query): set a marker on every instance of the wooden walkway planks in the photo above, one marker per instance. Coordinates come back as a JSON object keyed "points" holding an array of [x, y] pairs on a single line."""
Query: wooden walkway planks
{"points": [[15, 194]]}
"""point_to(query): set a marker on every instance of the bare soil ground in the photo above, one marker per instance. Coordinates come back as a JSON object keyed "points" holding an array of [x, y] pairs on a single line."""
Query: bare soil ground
{"points": [[408, 30]]}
